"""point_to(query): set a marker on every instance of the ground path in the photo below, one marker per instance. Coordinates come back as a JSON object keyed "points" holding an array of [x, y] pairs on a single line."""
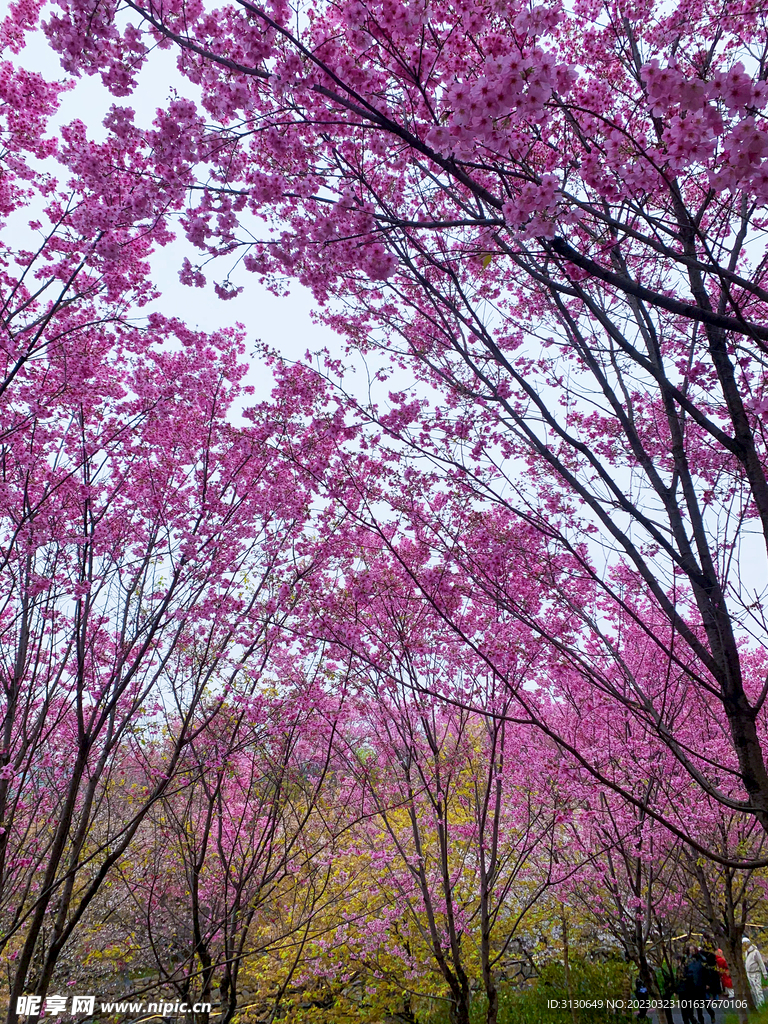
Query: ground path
{"points": [[658, 1017]]}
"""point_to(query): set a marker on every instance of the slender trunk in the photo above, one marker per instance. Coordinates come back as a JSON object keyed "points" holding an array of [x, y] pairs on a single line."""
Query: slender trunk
{"points": [[489, 868], [493, 1000], [491, 991], [201, 951], [207, 979], [37, 921], [642, 961], [567, 966], [228, 991], [731, 936]]}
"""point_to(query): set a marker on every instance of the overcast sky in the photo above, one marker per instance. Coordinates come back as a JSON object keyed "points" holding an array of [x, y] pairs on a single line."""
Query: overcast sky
{"points": [[282, 323]]}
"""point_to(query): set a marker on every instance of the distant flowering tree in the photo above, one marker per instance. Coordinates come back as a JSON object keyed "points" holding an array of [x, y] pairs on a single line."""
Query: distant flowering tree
{"points": [[725, 899], [223, 853], [553, 215], [460, 833]]}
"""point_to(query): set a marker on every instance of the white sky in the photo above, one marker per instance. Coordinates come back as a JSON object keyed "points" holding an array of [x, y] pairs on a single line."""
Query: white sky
{"points": [[283, 323]]}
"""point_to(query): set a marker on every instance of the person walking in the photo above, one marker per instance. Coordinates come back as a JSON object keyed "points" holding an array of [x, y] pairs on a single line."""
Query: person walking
{"points": [[755, 968], [711, 976], [695, 982], [682, 989], [725, 975]]}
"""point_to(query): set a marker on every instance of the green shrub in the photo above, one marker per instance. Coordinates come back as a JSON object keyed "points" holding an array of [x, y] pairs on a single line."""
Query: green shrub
{"points": [[590, 981], [756, 1017]]}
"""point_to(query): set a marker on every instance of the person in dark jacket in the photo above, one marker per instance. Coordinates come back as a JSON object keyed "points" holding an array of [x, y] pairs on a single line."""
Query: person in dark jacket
{"points": [[713, 988], [681, 989], [695, 981]]}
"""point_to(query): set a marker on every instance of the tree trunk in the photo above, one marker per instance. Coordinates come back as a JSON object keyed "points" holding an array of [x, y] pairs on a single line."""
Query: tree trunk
{"points": [[741, 989], [459, 1013], [567, 966], [493, 1000]]}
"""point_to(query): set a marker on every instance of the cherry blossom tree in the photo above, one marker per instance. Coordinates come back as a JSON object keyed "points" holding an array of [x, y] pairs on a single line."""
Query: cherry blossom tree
{"points": [[569, 663], [144, 540], [459, 842], [461, 802], [551, 221], [80, 220], [235, 843], [552, 215]]}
